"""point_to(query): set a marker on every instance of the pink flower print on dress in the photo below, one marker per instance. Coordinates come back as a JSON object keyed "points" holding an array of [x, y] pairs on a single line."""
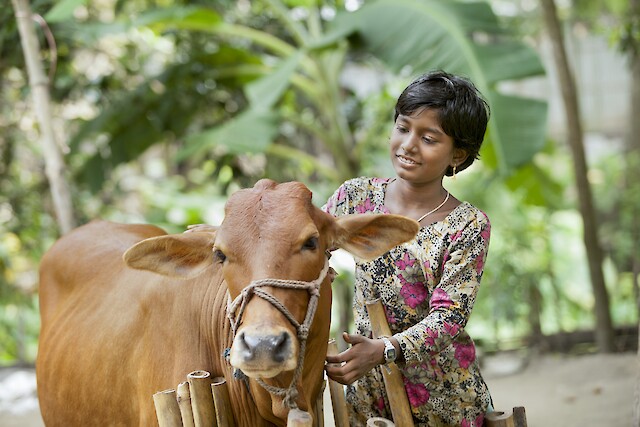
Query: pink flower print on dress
{"points": [[479, 422], [451, 329], [445, 258], [342, 193], [465, 423], [456, 236], [380, 404], [367, 206], [413, 293], [417, 393], [437, 370], [480, 262], [486, 233], [390, 315], [430, 340], [405, 262], [440, 299], [330, 205], [465, 354]]}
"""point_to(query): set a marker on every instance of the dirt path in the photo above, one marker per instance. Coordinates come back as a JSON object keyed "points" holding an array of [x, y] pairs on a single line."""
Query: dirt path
{"points": [[556, 391], [569, 391]]}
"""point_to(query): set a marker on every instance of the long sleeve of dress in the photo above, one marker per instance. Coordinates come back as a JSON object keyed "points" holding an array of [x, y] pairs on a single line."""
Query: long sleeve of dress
{"points": [[451, 301]]}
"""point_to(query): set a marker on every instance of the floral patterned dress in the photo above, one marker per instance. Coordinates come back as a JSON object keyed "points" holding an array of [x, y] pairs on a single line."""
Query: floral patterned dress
{"points": [[428, 287]]}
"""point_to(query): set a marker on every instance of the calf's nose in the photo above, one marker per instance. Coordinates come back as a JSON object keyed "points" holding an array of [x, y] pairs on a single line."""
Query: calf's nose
{"points": [[270, 347]]}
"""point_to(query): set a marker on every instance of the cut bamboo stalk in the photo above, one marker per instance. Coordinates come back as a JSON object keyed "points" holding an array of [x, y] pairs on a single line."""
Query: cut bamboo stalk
{"points": [[338, 402], [222, 402], [167, 410], [397, 395], [299, 418], [379, 422], [500, 419], [519, 416], [183, 395], [515, 418], [204, 413]]}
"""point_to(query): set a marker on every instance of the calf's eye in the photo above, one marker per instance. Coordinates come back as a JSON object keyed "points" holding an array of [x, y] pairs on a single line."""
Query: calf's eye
{"points": [[219, 255], [311, 244]]}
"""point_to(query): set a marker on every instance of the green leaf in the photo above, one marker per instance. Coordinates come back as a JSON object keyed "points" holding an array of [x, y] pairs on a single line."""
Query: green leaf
{"points": [[508, 60], [521, 125], [63, 10], [250, 132], [179, 17], [263, 93]]}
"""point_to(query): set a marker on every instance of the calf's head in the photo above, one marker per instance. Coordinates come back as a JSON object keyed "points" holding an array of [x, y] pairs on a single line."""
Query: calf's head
{"points": [[272, 250]]}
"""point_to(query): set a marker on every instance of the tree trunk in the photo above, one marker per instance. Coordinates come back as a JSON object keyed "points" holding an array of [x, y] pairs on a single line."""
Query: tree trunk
{"points": [[54, 163], [604, 326], [535, 308]]}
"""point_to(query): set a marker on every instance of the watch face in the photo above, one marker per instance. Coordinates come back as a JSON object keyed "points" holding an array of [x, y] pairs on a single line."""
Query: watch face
{"points": [[390, 354]]}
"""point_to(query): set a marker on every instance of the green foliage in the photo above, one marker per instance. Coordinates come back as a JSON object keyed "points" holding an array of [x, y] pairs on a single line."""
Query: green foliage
{"points": [[300, 65], [169, 106]]}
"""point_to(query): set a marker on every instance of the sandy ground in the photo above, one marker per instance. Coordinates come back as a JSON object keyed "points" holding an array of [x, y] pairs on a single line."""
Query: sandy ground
{"points": [[569, 391], [556, 391]]}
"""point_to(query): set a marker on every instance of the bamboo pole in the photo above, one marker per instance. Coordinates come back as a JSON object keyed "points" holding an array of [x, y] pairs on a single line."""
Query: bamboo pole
{"points": [[338, 402], [500, 419], [183, 396], [167, 410], [204, 413], [54, 162], [519, 416], [515, 418], [222, 402], [393, 382], [379, 422], [299, 418]]}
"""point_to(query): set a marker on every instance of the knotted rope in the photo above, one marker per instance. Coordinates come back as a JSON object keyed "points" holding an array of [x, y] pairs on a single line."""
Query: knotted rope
{"points": [[239, 305]]}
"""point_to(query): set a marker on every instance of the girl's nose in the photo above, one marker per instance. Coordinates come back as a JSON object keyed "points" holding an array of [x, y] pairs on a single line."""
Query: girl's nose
{"points": [[408, 144]]}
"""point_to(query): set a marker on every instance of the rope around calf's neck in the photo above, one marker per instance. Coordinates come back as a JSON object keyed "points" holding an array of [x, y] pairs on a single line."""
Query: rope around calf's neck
{"points": [[290, 393]]}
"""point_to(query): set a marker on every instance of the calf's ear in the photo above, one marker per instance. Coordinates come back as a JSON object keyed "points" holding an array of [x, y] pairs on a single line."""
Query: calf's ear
{"points": [[175, 255], [371, 235]]}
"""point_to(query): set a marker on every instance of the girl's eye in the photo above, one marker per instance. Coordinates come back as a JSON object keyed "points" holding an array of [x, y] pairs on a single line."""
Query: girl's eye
{"points": [[311, 244], [428, 140], [219, 256], [401, 129]]}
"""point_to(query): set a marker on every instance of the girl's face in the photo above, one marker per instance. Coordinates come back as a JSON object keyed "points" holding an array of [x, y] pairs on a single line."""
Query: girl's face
{"points": [[420, 150]]}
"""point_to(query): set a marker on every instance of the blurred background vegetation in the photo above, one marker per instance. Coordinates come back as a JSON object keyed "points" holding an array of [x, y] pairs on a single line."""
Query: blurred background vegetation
{"points": [[163, 108]]}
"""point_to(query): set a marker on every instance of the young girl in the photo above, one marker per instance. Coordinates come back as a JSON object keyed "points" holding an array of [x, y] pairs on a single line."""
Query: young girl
{"points": [[427, 286]]}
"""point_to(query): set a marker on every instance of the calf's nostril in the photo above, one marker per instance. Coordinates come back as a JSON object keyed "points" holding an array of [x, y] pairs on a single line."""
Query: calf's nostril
{"points": [[281, 347]]}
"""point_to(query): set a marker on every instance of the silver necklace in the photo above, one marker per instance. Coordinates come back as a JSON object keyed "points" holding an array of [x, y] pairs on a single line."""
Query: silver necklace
{"points": [[433, 210]]}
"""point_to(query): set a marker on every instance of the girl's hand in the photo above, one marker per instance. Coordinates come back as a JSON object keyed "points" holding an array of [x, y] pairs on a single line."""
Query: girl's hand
{"points": [[353, 363]]}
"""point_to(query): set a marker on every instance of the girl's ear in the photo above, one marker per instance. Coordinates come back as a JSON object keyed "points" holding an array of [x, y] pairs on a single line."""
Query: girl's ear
{"points": [[459, 156]]}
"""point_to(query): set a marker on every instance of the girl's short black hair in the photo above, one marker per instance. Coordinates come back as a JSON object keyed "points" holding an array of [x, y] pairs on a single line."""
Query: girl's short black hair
{"points": [[462, 110]]}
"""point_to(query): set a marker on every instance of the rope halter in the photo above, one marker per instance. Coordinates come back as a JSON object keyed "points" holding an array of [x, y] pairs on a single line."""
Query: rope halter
{"points": [[239, 305]]}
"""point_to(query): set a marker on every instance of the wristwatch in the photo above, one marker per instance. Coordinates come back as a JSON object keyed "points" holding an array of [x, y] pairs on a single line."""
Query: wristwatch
{"points": [[390, 353]]}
